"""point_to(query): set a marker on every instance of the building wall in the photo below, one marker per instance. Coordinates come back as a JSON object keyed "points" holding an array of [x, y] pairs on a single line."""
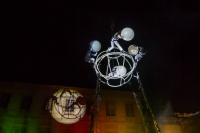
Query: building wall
{"points": [[14, 119]]}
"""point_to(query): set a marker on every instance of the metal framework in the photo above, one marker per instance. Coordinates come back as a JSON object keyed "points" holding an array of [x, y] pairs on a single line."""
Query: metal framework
{"points": [[117, 65], [112, 60]]}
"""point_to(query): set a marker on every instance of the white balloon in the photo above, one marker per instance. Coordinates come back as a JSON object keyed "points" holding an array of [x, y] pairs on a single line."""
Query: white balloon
{"points": [[127, 34], [120, 70], [96, 45]]}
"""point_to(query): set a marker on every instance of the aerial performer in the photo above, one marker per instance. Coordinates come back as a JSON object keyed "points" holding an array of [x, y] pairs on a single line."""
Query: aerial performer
{"points": [[94, 47], [126, 34]]}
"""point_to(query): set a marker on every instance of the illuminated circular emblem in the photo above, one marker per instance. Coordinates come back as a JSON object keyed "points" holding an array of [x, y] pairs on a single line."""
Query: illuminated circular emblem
{"points": [[66, 106]]}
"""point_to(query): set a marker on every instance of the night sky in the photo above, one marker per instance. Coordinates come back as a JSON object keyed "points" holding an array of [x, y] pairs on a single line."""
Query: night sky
{"points": [[45, 42]]}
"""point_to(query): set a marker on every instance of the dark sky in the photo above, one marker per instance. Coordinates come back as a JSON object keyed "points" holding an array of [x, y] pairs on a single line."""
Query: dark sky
{"points": [[45, 42]]}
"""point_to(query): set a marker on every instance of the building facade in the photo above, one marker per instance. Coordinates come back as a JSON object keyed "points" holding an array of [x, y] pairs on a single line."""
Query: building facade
{"points": [[23, 110]]}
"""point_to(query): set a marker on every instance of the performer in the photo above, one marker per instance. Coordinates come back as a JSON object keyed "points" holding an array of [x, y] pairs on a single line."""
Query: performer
{"points": [[89, 58], [114, 42], [126, 34], [94, 48], [140, 54], [137, 52], [117, 71]]}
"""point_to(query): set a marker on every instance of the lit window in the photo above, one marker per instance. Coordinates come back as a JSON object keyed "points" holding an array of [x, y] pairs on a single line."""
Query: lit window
{"points": [[26, 102], [4, 100], [69, 108], [129, 110], [110, 109]]}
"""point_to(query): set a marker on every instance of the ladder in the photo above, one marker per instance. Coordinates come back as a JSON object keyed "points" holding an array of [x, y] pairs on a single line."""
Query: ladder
{"points": [[150, 125]]}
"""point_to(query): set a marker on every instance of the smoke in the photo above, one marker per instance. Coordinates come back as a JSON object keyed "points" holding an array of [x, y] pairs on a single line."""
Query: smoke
{"points": [[166, 110]]}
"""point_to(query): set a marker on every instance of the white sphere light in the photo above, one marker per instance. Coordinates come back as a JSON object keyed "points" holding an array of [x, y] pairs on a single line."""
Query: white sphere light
{"points": [[127, 34], [133, 50], [96, 45], [120, 70], [60, 111]]}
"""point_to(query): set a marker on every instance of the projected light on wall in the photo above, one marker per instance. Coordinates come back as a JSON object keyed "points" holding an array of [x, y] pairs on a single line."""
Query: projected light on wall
{"points": [[67, 106]]}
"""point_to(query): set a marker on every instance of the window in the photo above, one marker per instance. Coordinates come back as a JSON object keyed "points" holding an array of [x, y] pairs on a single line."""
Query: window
{"points": [[4, 100], [26, 102], [129, 110], [69, 108], [110, 109], [19, 130], [67, 132], [43, 131], [47, 104]]}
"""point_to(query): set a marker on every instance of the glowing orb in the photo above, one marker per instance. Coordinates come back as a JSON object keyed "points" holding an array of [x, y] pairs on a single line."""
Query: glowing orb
{"points": [[133, 49], [66, 107], [127, 34], [96, 45]]}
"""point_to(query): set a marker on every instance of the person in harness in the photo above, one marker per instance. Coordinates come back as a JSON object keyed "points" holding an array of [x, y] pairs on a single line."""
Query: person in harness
{"points": [[94, 48]]}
